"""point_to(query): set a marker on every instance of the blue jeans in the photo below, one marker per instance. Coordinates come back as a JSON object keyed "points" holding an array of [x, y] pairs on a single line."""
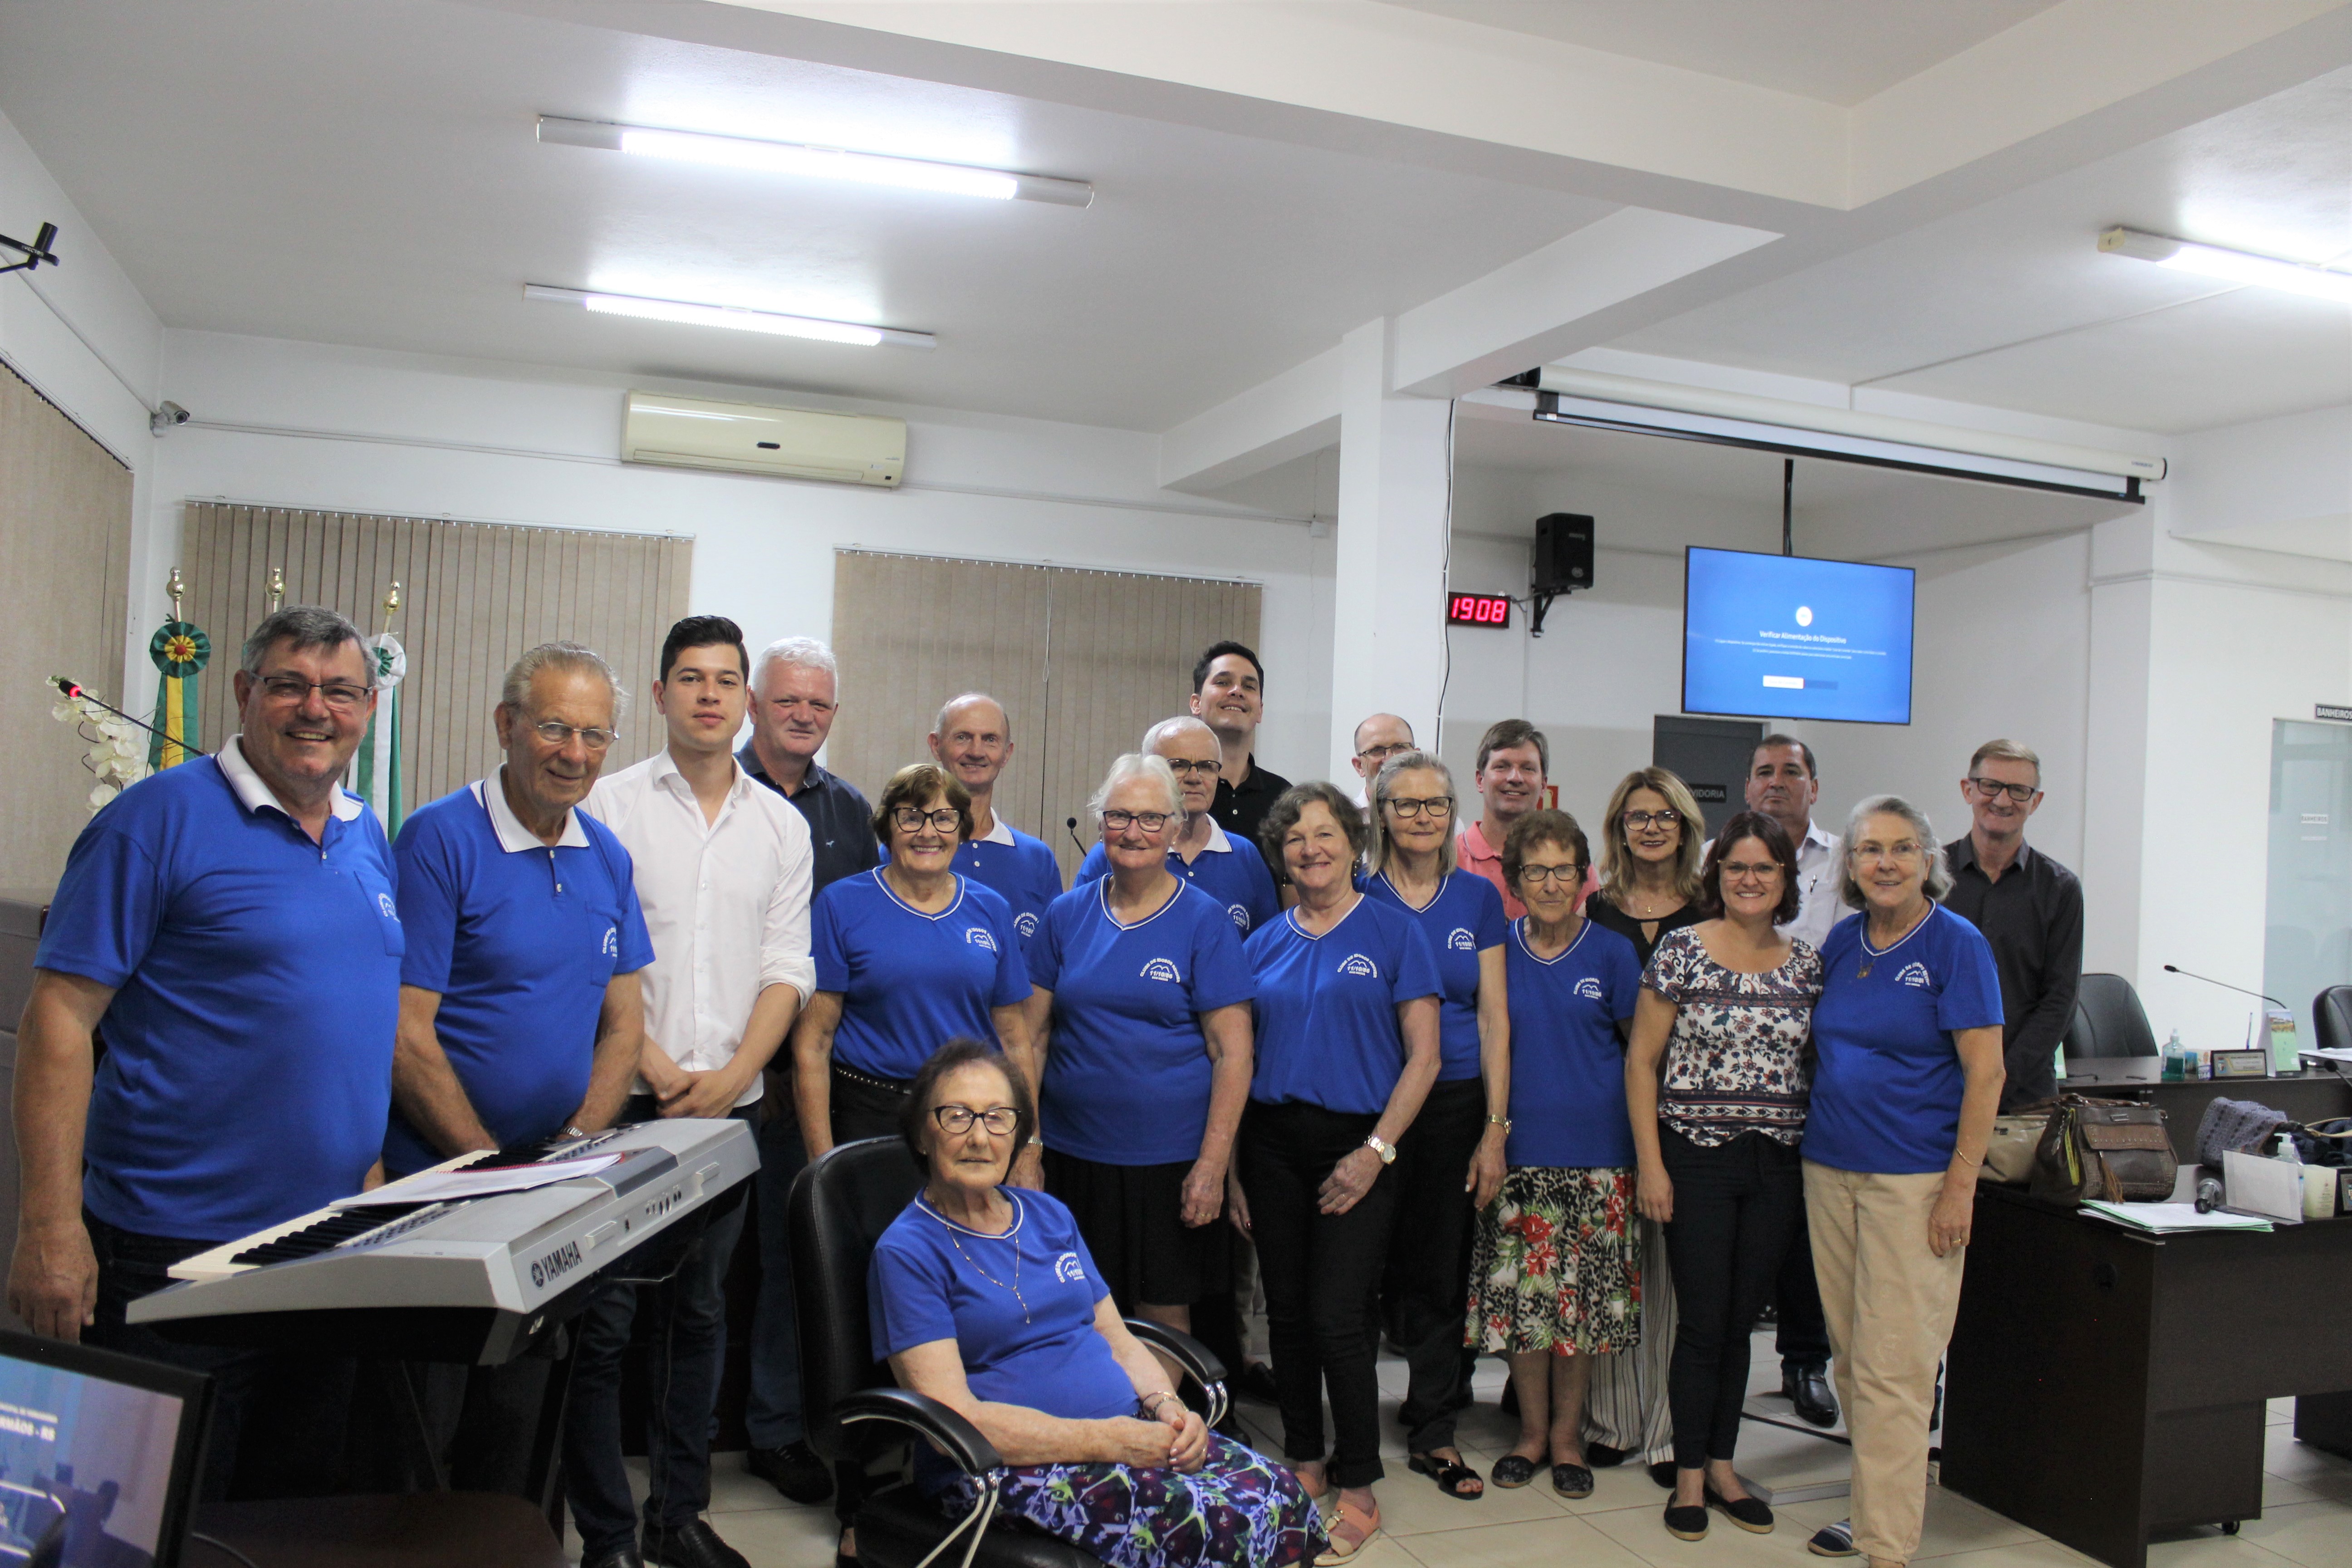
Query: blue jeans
{"points": [[687, 1314], [772, 1417]]}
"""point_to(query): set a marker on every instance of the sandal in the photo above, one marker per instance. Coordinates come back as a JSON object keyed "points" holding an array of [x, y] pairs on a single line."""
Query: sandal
{"points": [[1312, 1495], [1349, 1528], [1449, 1475], [1514, 1470]]}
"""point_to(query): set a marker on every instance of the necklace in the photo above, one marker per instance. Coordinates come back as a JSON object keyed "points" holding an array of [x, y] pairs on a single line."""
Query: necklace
{"points": [[1012, 1232], [1870, 956]]}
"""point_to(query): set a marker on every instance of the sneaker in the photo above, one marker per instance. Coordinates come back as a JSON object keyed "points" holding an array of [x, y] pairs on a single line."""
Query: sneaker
{"points": [[1834, 1541], [794, 1469]]}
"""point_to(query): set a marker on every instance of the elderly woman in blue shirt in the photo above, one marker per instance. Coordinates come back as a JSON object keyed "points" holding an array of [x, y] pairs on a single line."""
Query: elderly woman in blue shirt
{"points": [[986, 1298]]}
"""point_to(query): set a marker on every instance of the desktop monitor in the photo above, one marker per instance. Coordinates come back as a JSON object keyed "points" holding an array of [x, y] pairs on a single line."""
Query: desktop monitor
{"points": [[1781, 637], [97, 1455]]}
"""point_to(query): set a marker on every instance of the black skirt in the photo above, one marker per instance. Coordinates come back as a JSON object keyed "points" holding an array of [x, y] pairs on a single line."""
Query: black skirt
{"points": [[1133, 1219]]}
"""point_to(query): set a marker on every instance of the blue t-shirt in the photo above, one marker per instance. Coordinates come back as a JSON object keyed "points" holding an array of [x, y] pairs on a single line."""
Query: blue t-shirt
{"points": [[256, 990], [1024, 873], [1127, 1080], [1234, 876], [1327, 1021], [909, 981], [1568, 1060], [1887, 1078], [1020, 1307], [520, 945], [1464, 921]]}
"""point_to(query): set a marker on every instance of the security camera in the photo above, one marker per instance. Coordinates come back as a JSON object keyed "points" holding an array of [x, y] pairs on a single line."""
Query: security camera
{"points": [[161, 421]]}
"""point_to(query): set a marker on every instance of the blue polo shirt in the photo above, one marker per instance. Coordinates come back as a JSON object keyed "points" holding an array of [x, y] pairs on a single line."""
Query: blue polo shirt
{"points": [[1463, 921], [1227, 868], [257, 989], [1327, 1022], [1568, 1060], [910, 981], [520, 941], [1022, 870], [1887, 1078], [1127, 1080]]}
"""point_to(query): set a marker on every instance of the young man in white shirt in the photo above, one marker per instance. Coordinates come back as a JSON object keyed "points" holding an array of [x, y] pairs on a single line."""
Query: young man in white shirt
{"points": [[722, 866]]}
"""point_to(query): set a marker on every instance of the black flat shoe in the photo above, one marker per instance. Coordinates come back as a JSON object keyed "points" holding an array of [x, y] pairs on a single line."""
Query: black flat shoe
{"points": [[1571, 1481], [1663, 1473], [1687, 1523], [1514, 1470], [1602, 1457], [1749, 1514], [1449, 1475]]}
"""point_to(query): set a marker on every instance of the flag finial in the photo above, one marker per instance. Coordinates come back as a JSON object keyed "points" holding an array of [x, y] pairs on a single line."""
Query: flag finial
{"points": [[277, 589], [391, 606], [173, 586]]}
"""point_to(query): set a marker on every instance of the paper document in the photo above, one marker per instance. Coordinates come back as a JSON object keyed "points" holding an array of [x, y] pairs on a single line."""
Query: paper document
{"points": [[431, 1187], [2257, 1186], [2168, 1218]]}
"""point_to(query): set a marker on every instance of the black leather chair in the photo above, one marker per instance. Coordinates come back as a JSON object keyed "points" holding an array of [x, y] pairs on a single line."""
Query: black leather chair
{"points": [[2109, 1020], [840, 1207], [2331, 1018]]}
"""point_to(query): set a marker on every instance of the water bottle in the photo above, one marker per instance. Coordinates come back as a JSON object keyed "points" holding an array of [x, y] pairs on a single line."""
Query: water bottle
{"points": [[2175, 1059]]}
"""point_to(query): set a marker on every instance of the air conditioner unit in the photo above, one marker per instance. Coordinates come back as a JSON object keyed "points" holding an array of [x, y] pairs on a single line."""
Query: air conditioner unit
{"points": [[752, 439]]}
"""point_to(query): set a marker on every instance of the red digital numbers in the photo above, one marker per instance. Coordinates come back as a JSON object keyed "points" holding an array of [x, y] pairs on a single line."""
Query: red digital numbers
{"points": [[1478, 610]]}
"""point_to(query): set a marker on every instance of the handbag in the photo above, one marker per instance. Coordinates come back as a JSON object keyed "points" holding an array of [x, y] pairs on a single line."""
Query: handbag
{"points": [[2112, 1149], [2009, 1158], [2247, 1126]]}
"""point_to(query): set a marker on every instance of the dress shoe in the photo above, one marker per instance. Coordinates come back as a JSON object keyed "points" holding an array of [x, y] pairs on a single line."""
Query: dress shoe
{"points": [[623, 1556], [693, 1544], [794, 1469], [1257, 1382], [1807, 1385]]}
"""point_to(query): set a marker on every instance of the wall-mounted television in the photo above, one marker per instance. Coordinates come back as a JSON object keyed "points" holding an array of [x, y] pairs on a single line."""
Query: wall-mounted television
{"points": [[1781, 637]]}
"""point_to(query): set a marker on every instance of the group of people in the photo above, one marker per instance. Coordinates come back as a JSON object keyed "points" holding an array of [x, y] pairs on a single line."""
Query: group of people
{"points": [[1342, 1063]]}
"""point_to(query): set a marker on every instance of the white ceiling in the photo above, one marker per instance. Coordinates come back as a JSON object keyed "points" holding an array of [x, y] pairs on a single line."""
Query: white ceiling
{"points": [[367, 175], [2011, 304], [1839, 51]]}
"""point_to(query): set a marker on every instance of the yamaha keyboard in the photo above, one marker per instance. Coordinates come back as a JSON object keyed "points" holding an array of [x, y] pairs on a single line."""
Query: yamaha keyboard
{"points": [[473, 1279]]}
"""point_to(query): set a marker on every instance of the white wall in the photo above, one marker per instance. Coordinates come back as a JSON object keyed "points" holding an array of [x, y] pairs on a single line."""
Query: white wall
{"points": [[300, 425]]}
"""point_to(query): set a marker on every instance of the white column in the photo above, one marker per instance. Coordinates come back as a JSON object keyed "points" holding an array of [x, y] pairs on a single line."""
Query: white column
{"points": [[1388, 636]]}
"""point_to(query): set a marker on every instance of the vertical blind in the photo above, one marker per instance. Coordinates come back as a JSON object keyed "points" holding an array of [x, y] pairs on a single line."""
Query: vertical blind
{"points": [[473, 596], [1084, 661], [65, 531]]}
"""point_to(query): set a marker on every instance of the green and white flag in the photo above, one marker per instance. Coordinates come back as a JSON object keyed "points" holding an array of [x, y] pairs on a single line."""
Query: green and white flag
{"points": [[375, 769]]}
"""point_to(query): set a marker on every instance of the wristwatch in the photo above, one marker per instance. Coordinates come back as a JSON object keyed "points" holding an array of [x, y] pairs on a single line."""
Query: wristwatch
{"points": [[570, 1133], [1386, 1151]]}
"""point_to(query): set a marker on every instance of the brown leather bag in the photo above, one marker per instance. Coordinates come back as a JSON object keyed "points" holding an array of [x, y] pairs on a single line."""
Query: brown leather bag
{"points": [[2118, 1150]]}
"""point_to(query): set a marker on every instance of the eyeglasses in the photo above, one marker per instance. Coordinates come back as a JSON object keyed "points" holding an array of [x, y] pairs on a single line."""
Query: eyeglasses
{"points": [[1992, 789], [1383, 754], [1184, 770], [1900, 854], [341, 695], [911, 818], [1437, 806], [1120, 821], [556, 734], [955, 1120], [1638, 820], [1545, 876], [1738, 871]]}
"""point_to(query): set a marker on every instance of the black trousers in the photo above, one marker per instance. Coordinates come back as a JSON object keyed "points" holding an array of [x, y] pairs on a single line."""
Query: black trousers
{"points": [[1320, 1272], [1428, 1274], [1736, 1205], [1804, 1339]]}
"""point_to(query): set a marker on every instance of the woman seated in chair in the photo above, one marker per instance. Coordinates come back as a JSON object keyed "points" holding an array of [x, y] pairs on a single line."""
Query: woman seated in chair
{"points": [[984, 1297]]}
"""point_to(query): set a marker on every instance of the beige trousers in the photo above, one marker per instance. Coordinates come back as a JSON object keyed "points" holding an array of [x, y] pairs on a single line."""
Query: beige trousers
{"points": [[1890, 1303]]}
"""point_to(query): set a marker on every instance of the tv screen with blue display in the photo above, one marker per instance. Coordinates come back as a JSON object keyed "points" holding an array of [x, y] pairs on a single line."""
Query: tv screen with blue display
{"points": [[1780, 636]]}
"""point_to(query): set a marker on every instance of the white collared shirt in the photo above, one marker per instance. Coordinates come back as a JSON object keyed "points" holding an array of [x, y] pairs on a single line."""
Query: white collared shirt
{"points": [[999, 830], [726, 903], [1817, 887], [513, 836], [255, 796]]}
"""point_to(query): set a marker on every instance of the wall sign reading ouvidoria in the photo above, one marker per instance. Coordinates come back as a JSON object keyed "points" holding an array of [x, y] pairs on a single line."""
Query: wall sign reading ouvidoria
{"points": [[1783, 636]]}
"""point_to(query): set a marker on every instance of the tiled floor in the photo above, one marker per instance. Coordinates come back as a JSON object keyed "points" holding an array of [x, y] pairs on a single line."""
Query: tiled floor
{"points": [[2306, 1498]]}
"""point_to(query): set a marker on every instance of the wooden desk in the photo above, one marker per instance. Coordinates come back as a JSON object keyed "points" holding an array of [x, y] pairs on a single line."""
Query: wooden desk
{"points": [[2104, 1383], [428, 1530], [2301, 1097]]}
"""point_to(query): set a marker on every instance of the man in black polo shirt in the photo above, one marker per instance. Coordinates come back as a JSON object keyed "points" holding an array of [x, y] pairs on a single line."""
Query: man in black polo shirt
{"points": [[2028, 906], [1229, 696], [793, 691]]}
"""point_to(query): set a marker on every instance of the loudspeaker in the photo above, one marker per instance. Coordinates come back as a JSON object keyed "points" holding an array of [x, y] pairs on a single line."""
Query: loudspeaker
{"points": [[1563, 553]]}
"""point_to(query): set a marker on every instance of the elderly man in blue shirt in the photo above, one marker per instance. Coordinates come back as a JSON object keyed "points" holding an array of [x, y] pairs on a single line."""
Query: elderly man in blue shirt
{"points": [[520, 1012], [228, 930]]}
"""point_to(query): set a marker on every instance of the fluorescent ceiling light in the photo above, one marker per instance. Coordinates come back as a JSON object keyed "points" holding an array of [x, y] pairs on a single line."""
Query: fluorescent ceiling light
{"points": [[814, 163], [733, 316], [2237, 265]]}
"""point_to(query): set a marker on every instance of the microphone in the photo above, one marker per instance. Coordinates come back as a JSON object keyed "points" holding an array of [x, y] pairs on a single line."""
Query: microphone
{"points": [[1072, 824], [74, 689], [2176, 969]]}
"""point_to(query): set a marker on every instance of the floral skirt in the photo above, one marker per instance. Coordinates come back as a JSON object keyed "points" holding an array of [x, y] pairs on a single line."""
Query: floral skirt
{"points": [[1555, 1265], [1240, 1507]]}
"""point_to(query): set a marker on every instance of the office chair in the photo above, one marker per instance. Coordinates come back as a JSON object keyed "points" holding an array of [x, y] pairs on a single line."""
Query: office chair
{"points": [[840, 1204], [2109, 1020], [2331, 1017]]}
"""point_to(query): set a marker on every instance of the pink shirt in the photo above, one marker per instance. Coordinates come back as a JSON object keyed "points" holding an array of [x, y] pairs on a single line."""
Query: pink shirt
{"points": [[1471, 849]]}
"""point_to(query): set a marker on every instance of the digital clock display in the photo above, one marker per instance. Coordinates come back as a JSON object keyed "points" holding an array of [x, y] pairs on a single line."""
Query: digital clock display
{"points": [[1477, 610]]}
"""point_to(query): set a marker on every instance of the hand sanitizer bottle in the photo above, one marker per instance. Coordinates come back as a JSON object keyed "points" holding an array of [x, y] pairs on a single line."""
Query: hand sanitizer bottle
{"points": [[2175, 1059]]}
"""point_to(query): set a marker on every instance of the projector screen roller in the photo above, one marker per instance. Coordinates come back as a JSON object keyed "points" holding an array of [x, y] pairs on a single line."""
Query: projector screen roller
{"points": [[1779, 636]]}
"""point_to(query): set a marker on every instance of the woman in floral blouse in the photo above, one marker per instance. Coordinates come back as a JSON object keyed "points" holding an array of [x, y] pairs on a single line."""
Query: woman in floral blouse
{"points": [[1727, 1005]]}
